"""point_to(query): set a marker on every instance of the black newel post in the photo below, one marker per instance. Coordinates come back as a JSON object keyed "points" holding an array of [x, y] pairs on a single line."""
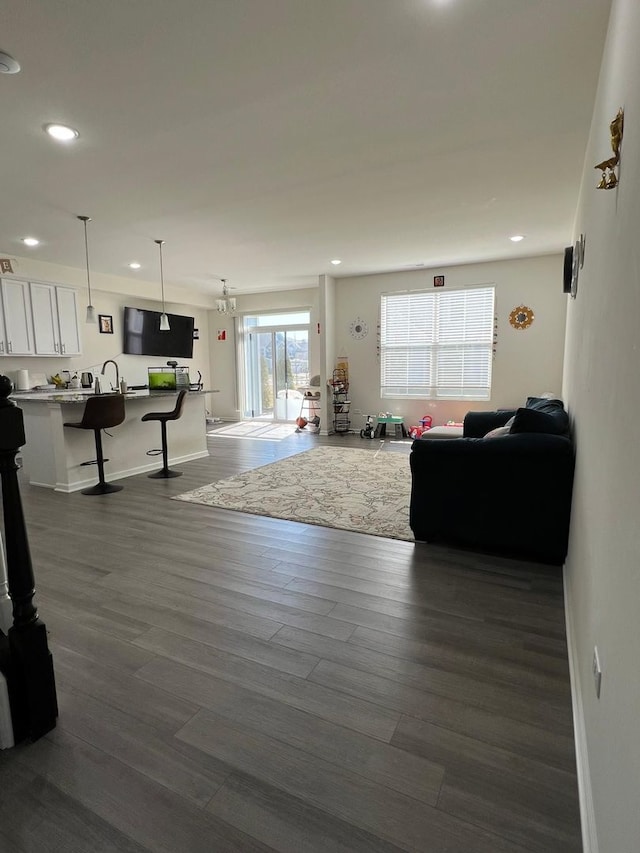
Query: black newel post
{"points": [[26, 660]]}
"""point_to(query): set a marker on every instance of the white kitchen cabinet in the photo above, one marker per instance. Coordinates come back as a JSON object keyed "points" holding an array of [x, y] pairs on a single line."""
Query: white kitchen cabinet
{"points": [[16, 335], [45, 319], [68, 319], [55, 320]]}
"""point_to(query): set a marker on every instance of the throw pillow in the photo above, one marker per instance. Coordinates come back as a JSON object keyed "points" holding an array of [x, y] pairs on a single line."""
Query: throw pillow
{"points": [[499, 431], [533, 420], [544, 404]]}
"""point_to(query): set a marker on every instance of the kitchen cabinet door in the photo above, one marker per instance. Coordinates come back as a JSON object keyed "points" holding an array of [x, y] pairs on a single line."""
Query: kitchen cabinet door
{"points": [[17, 318], [67, 301], [45, 319]]}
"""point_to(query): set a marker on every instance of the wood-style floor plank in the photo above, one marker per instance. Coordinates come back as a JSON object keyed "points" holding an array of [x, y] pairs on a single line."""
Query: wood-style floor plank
{"points": [[230, 682]]}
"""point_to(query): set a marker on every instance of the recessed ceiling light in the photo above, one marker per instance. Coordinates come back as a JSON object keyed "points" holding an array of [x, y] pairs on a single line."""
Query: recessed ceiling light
{"points": [[134, 265], [30, 241], [61, 132], [336, 261], [516, 238], [8, 65]]}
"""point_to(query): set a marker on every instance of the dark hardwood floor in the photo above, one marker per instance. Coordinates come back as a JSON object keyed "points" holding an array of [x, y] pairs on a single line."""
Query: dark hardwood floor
{"points": [[228, 682]]}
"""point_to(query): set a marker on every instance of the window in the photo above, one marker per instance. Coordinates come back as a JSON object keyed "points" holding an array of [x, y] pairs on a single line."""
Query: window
{"points": [[437, 345]]}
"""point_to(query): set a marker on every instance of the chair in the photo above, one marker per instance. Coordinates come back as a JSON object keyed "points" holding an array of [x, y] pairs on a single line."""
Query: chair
{"points": [[163, 417], [101, 412]]}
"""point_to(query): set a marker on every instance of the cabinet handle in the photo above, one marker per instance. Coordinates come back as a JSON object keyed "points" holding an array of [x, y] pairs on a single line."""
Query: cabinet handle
{"points": [[1, 346], [64, 349], [9, 347], [55, 347]]}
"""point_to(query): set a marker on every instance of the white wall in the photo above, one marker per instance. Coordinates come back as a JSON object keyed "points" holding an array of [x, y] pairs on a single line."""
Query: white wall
{"points": [[528, 362], [602, 387], [223, 354], [110, 294]]}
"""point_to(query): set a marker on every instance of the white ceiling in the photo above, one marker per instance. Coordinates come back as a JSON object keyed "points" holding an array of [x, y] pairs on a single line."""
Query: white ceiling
{"points": [[262, 138]]}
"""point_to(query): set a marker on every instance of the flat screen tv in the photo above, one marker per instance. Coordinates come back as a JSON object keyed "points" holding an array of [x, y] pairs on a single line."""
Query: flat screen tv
{"points": [[142, 335]]}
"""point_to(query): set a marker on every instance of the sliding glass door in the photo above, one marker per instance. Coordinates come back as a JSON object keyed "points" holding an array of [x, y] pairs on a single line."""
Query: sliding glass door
{"points": [[276, 365]]}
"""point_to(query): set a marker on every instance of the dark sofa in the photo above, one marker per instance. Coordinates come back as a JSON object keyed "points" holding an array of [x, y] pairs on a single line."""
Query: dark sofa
{"points": [[507, 494]]}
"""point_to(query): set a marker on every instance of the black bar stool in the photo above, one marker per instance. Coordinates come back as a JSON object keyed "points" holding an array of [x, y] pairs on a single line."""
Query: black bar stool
{"points": [[100, 412], [163, 417]]}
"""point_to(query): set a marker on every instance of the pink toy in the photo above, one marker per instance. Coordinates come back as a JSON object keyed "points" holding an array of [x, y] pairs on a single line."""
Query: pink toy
{"points": [[426, 422]]}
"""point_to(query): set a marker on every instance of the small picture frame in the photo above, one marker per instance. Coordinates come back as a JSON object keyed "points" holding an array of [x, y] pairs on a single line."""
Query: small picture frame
{"points": [[105, 324], [438, 281]]}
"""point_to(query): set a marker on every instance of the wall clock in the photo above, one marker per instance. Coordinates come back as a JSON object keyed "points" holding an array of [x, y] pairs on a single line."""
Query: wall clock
{"points": [[358, 328], [521, 317]]}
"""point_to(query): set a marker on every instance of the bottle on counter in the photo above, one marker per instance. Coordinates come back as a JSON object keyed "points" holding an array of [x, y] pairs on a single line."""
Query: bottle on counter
{"points": [[123, 386]]}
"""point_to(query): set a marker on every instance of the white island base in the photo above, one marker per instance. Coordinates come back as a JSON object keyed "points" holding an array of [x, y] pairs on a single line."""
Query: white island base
{"points": [[53, 454]]}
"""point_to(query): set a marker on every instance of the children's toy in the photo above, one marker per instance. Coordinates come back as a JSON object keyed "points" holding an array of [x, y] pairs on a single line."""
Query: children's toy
{"points": [[368, 430], [426, 422], [415, 431]]}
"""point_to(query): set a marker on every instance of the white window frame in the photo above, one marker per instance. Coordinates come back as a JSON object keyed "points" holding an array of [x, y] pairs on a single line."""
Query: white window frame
{"points": [[419, 358]]}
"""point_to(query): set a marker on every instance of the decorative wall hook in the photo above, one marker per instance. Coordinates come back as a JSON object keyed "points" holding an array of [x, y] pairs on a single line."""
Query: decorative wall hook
{"points": [[609, 178]]}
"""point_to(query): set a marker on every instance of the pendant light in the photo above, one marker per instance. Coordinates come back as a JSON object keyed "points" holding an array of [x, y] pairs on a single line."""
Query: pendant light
{"points": [[164, 320], [91, 311]]}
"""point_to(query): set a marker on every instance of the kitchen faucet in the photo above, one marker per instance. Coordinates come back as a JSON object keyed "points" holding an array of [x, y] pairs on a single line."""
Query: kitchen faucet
{"points": [[111, 361]]}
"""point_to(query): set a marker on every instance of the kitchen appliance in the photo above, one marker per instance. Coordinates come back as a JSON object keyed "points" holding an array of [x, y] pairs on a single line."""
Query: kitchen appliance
{"points": [[22, 380], [86, 379]]}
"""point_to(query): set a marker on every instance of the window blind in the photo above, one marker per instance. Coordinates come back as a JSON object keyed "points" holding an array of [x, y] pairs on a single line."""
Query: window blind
{"points": [[437, 345]]}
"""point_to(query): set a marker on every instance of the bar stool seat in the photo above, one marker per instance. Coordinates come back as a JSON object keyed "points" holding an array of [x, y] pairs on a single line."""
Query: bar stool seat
{"points": [[163, 417], [100, 412]]}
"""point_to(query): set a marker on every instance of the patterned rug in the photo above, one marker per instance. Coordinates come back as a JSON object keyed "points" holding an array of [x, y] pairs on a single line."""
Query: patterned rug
{"points": [[363, 490]]}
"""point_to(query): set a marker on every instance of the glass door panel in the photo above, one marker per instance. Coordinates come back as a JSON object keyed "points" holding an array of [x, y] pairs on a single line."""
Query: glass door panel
{"points": [[276, 366]]}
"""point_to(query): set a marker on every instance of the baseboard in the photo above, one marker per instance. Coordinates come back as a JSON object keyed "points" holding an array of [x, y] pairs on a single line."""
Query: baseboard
{"points": [[129, 472], [587, 813]]}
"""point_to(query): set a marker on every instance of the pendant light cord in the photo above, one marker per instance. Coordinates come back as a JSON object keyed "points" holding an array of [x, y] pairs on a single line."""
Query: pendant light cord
{"points": [[86, 219], [160, 242]]}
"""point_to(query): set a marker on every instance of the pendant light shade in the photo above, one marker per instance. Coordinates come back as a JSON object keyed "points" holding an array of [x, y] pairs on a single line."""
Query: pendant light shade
{"points": [[164, 320], [91, 311]]}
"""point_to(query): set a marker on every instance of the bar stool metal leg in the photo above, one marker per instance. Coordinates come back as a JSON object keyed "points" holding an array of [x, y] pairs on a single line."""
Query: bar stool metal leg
{"points": [[165, 472], [101, 487]]}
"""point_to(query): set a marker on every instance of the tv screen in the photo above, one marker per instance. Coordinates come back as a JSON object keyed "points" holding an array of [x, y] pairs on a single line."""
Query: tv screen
{"points": [[142, 335]]}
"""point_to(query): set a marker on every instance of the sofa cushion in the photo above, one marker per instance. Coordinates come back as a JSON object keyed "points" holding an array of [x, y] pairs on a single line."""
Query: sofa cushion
{"points": [[554, 421], [499, 431]]}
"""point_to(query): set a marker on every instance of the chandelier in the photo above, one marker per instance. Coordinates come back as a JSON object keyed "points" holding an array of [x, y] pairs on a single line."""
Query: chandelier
{"points": [[226, 305]]}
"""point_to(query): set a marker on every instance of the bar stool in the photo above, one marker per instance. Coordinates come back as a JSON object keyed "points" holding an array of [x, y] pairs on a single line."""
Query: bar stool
{"points": [[163, 417], [100, 412]]}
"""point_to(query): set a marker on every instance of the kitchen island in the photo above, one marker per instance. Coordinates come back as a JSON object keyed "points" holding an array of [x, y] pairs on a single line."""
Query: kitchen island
{"points": [[53, 454]]}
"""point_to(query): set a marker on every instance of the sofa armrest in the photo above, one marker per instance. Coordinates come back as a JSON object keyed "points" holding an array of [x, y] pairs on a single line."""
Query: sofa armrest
{"points": [[478, 424]]}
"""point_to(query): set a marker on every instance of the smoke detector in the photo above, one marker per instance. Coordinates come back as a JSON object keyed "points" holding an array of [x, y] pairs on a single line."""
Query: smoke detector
{"points": [[8, 64]]}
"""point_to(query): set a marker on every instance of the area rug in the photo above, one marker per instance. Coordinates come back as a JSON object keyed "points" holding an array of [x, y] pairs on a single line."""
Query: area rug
{"points": [[362, 490], [254, 429]]}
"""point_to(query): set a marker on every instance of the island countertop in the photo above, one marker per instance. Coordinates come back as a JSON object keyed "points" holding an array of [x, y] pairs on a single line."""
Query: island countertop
{"points": [[80, 395]]}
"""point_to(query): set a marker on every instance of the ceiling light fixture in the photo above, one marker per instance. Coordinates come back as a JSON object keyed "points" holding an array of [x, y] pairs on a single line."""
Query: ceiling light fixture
{"points": [[226, 305], [30, 241], [8, 65], [164, 320], [134, 265], [336, 262], [91, 311], [61, 132], [517, 238]]}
